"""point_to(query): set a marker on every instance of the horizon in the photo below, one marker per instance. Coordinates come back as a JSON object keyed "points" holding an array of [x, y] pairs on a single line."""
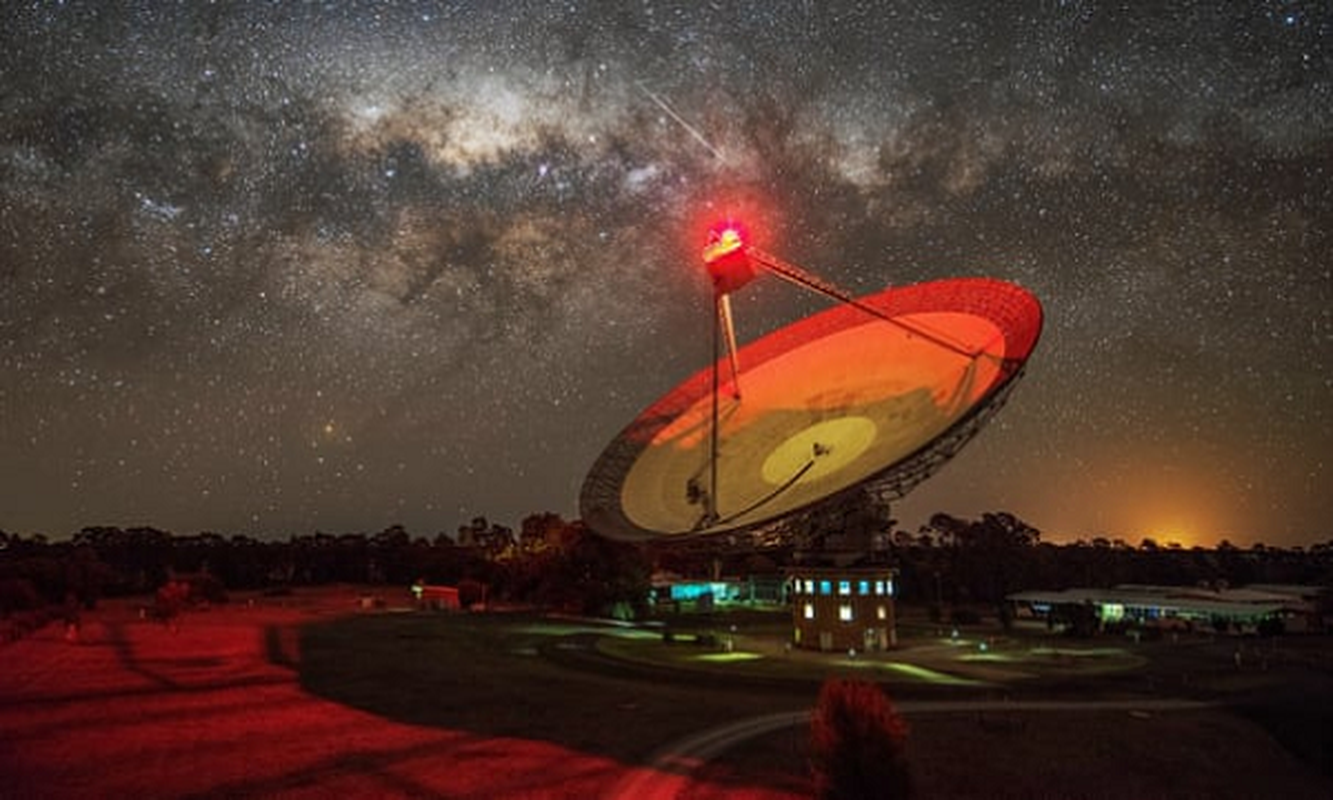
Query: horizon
{"points": [[1133, 543]]}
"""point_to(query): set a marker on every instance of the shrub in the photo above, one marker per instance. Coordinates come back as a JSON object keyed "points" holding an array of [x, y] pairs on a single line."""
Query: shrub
{"points": [[170, 601], [857, 743]]}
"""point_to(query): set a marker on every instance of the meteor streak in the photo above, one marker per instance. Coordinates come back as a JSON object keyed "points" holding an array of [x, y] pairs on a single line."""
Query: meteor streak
{"points": [[698, 137]]}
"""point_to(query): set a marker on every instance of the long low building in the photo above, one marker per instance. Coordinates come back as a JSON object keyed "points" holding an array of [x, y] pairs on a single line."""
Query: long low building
{"points": [[1175, 607]]}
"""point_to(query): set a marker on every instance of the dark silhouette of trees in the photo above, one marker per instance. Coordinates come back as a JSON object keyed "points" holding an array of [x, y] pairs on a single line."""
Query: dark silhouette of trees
{"points": [[957, 564], [389, 557], [607, 577], [489, 537], [953, 562], [986, 558], [138, 557]]}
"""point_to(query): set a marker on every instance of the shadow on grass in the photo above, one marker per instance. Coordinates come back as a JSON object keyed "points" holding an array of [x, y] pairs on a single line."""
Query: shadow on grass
{"points": [[386, 772], [282, 646], [497, 676], [485, 674], [1299, 717]]}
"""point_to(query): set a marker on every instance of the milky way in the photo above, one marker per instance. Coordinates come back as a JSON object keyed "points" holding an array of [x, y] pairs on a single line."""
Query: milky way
{"points": [[286, 268]]}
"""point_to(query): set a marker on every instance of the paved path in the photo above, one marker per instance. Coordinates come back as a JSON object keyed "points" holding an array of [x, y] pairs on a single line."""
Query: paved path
{"points": [[669, 773]]}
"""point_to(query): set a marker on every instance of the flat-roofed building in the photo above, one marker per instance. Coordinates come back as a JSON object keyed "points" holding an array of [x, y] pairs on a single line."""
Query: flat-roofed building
{"points": [[843, 608], [436, 598], [1177, 607]]}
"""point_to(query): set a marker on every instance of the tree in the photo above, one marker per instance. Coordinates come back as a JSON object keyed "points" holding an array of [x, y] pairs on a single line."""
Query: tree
{"points": [[545, 531], [597, 576], [488, 537], [989, 557], [857, 743]]}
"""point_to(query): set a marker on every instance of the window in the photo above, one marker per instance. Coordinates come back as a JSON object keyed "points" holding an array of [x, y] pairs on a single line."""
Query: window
{"points": [[809, 610], [844, 587], [845, 612], [879, 587], [888, 586], [825, 587], [863, 588], [882, 613], [809, 587]]}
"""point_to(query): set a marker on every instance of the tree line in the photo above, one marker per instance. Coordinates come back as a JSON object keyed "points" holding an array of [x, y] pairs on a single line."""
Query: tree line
{"points": [[548, 562], [551, 562], [953, 561]]}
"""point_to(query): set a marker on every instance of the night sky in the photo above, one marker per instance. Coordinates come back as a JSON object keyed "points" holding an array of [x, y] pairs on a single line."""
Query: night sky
{"points": [[297, 267]]}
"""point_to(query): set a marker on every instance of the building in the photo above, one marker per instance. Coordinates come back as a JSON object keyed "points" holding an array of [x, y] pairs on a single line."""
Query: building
{"points": [[436, 598], [704, 595], [841, 609], [1240, 610]]}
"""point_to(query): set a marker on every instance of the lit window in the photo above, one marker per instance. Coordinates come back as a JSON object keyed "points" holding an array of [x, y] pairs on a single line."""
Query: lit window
{"points": [[809, 610], [845, 612], [879, 587], [889, 587], [825, 587], [863, 588], [844, 587], [809, 587], [882, 612]]}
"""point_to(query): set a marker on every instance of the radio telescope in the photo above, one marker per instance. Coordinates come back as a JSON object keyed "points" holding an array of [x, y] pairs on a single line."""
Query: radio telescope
{"points": [[875, 393]]}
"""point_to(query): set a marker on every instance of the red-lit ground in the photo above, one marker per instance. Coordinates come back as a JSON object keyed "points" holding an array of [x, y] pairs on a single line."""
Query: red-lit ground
{"points": [[216, 709], [441, 705]]}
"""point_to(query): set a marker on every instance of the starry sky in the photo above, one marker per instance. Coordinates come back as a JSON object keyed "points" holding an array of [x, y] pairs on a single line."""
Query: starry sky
{"points": [[286, 267]]}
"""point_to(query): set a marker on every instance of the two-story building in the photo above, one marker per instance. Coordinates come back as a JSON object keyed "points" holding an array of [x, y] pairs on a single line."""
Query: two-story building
{"points": [[843, 608]]}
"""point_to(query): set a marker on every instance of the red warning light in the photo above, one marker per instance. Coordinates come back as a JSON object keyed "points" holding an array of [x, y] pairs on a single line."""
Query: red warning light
{"points": [[726, 257], [723, 240]]}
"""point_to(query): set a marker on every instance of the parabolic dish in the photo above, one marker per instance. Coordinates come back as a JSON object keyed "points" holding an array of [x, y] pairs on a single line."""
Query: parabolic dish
{"points": [[839, 400]]}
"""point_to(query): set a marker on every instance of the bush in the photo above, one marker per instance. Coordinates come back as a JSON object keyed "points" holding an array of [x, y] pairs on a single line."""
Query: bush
{"points": [[170, 601], [857, 744]]}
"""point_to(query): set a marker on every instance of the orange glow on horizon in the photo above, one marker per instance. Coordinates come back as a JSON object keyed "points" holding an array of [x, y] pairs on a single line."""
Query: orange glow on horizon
{"points": [[1121, 488], [1171, 536]]}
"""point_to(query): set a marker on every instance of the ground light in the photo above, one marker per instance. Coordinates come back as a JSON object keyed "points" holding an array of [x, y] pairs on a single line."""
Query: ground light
{"points": [[916, 672], [987, 656], [724, 658], [1091, 652]]}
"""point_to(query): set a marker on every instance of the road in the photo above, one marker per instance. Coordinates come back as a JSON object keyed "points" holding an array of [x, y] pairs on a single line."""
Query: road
{"points": [[669, 772]]}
